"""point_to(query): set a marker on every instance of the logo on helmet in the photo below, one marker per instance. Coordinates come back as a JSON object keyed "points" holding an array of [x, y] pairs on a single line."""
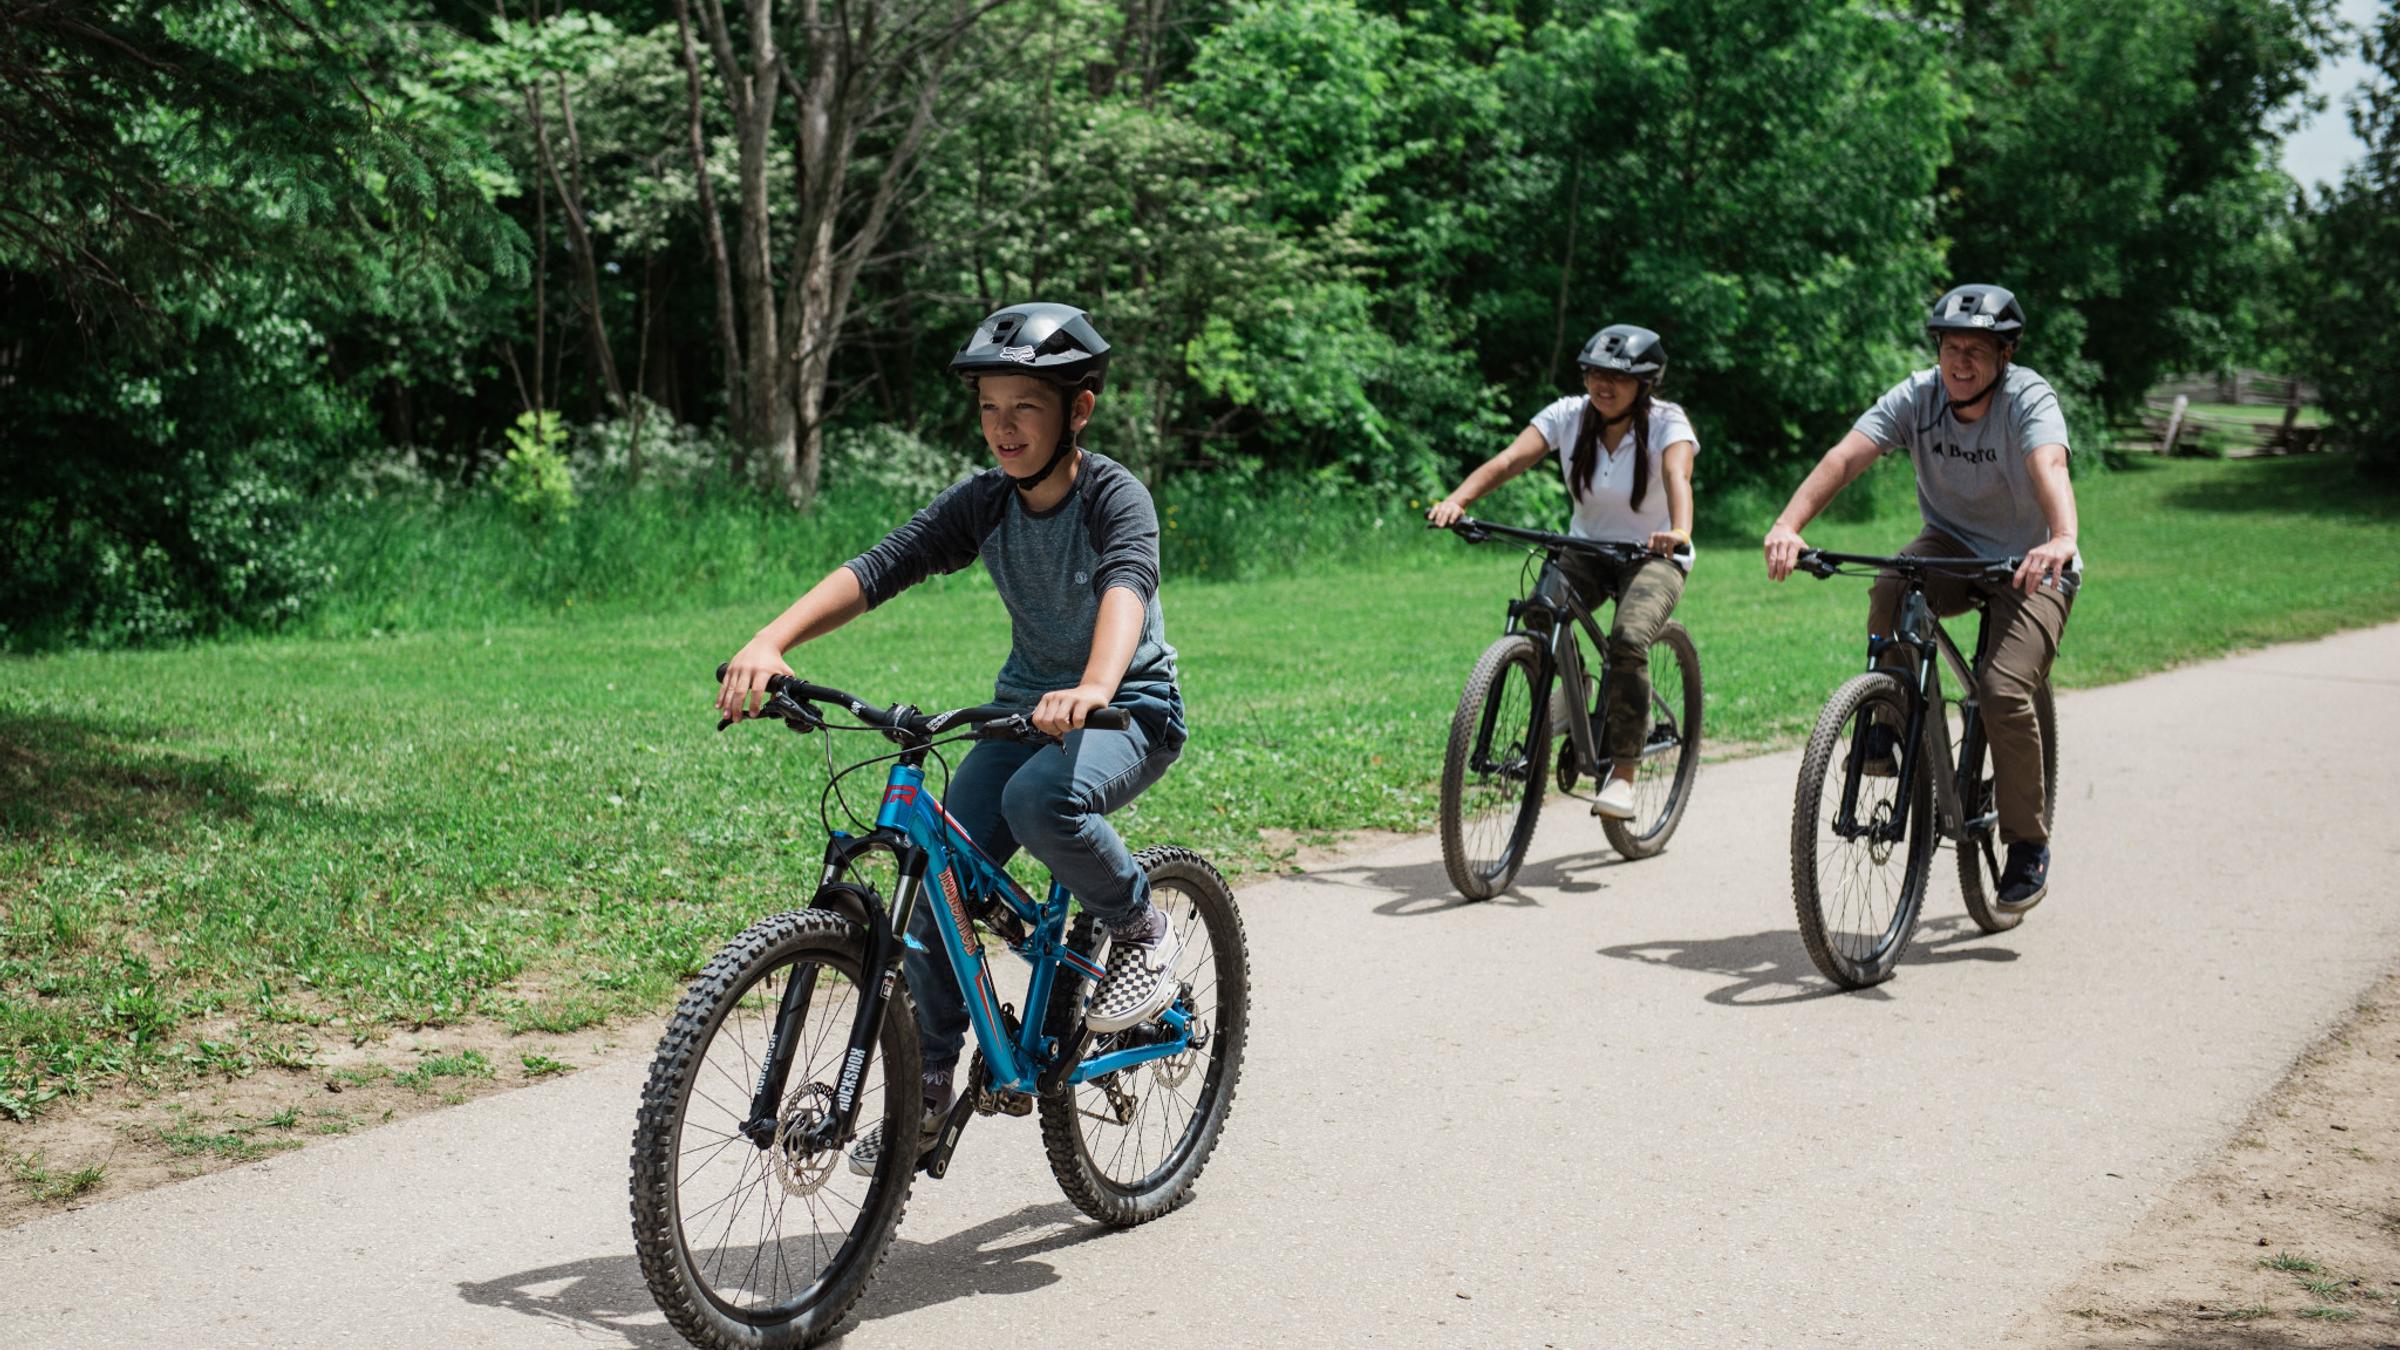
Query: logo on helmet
{"points": [[1980, 320], [1023, 355]]}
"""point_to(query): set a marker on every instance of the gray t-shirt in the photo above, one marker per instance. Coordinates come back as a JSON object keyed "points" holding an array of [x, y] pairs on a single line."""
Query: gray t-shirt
{"points": [[1050, 569], [1974, 481]]}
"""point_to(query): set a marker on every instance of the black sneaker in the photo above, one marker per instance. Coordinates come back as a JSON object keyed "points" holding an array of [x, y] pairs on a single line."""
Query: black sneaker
{"points": [[1880, 761], [1140, 981], [867, 1150], [2026, 879]]}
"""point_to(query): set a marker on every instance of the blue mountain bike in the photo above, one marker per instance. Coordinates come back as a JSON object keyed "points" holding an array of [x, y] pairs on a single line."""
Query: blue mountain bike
{"points": [[800, 1036]]}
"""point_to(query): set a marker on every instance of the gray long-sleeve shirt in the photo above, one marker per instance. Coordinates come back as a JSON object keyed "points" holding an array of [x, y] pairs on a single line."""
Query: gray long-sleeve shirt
{"points": [[1050, 569]]}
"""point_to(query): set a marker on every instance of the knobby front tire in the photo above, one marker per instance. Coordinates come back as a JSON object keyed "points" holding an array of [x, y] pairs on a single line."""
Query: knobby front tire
{"points": [[751, 1248], [1857, 899], [1492, 781]]}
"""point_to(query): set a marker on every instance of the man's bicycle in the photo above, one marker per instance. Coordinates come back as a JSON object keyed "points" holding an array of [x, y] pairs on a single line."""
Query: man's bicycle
{"points": [[1532, 679], [1881, 781], [800, 1035]]}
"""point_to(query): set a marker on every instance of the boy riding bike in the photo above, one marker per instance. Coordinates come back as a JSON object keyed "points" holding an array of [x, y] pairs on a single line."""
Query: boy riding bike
{"points": [[1070, 539], [1989, 446]]}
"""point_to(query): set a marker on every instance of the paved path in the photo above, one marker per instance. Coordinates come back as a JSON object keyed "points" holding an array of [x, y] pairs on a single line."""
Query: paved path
{"points": [[1616, 1107]]}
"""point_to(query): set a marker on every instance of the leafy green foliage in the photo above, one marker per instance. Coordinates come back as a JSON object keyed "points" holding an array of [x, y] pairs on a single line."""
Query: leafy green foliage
{"points": [[2348, 287], [265, 260], [199, 193], [2115, 170], [533, 476]]}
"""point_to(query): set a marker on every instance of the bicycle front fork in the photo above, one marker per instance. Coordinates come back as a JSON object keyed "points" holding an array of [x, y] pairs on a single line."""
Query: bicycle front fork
{"points": [[880, 975]]}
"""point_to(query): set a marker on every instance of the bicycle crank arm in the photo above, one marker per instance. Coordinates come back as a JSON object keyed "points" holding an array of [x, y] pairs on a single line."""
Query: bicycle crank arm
{"points": [[936, 1161]]}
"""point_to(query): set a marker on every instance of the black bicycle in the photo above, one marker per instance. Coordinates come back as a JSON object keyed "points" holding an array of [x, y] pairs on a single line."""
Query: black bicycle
{"points": [[1528, 683], [1880, 787]]}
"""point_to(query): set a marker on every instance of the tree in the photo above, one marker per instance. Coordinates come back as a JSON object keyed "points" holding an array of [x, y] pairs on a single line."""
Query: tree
{"points": [[196, 194], [2115, 170], [865, 96], [2350, 278]]}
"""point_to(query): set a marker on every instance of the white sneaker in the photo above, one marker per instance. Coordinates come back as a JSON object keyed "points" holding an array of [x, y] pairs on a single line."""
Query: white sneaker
{"points": [[1615, 801]]}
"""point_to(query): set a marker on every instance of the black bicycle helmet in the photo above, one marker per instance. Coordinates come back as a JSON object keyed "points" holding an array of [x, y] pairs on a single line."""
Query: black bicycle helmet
{"points": [[1047, 341], [1626, 349], [1977, 309]]}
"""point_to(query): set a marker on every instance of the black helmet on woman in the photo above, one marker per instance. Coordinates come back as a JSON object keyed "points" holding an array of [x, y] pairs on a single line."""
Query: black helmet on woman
{"points": [[1051, 342], [1626, 349]]}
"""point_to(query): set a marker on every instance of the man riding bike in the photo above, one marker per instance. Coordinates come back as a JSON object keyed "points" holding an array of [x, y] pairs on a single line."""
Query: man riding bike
{"points": [[1989, 445]]}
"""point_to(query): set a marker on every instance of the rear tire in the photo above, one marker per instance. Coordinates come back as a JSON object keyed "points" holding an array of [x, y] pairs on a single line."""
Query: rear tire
{"points": [[1130, 1171], [1662, 785], [1978, 881], [1857, 899], [1492, 783]]}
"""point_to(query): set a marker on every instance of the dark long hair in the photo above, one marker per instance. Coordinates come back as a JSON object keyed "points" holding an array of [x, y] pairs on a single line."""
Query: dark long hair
{"points": [[1587, 447]]}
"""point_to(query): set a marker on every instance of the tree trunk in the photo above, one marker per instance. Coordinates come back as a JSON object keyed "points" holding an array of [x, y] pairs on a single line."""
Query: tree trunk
{"points": [[579, 239], [720, 266], [858, 75], [1566, 266]]}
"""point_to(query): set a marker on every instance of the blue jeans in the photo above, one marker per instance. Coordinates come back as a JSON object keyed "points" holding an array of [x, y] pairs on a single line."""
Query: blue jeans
{"points": [[1050, 800]]}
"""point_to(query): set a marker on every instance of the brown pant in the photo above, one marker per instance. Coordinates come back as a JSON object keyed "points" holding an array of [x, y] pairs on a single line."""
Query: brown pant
{"points": [[1645, 594], [2016, 663]]}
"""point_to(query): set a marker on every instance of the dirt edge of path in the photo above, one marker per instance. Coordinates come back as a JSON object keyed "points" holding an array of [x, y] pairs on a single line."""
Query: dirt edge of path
{"points": [[2288, 1236]]}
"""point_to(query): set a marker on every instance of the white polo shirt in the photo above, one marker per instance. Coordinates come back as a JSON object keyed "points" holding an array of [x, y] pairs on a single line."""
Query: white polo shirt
{"points": [[1607, 511]]}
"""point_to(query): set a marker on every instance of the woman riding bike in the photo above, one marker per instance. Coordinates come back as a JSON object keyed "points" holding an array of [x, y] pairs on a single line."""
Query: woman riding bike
{"points": [[1071, 541], [1627, 458]]}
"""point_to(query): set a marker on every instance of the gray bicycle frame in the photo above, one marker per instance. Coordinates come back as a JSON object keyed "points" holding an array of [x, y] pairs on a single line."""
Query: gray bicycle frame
{"points": [[1564, 660]]}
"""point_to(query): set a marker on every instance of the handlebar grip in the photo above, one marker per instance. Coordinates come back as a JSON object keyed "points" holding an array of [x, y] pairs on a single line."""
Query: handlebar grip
{"points": [[1107, 719]]}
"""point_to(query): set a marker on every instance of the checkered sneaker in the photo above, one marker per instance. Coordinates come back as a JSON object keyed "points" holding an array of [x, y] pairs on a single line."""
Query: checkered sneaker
{"points": [[1140, 981]]}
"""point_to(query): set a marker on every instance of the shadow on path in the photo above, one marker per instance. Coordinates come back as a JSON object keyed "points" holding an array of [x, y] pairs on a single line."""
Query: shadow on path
{"points": [[1424, 888], [1761, 964], [606, 1293]]}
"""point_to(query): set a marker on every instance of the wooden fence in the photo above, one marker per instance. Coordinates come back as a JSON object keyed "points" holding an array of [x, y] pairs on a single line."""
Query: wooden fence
{"points": [[2169, 422]]}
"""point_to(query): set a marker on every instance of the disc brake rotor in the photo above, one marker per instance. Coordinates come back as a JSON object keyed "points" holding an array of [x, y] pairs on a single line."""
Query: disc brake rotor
{"points": [[1879, 845], [802, 1171]]}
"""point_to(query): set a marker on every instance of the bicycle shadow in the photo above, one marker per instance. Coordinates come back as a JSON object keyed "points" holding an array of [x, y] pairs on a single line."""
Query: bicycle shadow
{"points": [[1774, 960], [607, 1293], [1424, 888]]}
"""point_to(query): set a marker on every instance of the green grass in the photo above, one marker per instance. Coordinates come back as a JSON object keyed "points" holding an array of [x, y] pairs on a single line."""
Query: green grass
{"points": [[464, 1064], [2268, 414], [48, 1184], [2287, 1261], [532, 821]]}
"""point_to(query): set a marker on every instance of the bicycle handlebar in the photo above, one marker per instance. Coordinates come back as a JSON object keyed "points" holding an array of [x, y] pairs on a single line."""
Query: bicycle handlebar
{"points": [[1476, 531], [986, 719], [1821, 563]]}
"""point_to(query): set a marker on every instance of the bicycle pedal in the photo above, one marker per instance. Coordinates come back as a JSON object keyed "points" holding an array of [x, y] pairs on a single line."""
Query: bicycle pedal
{"points": [[989, 1103]]}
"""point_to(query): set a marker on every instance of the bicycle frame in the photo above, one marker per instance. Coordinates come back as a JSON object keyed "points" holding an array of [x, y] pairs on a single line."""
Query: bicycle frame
{"points": [[1932, 648], [1018, 1056], [1554, 635]]}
